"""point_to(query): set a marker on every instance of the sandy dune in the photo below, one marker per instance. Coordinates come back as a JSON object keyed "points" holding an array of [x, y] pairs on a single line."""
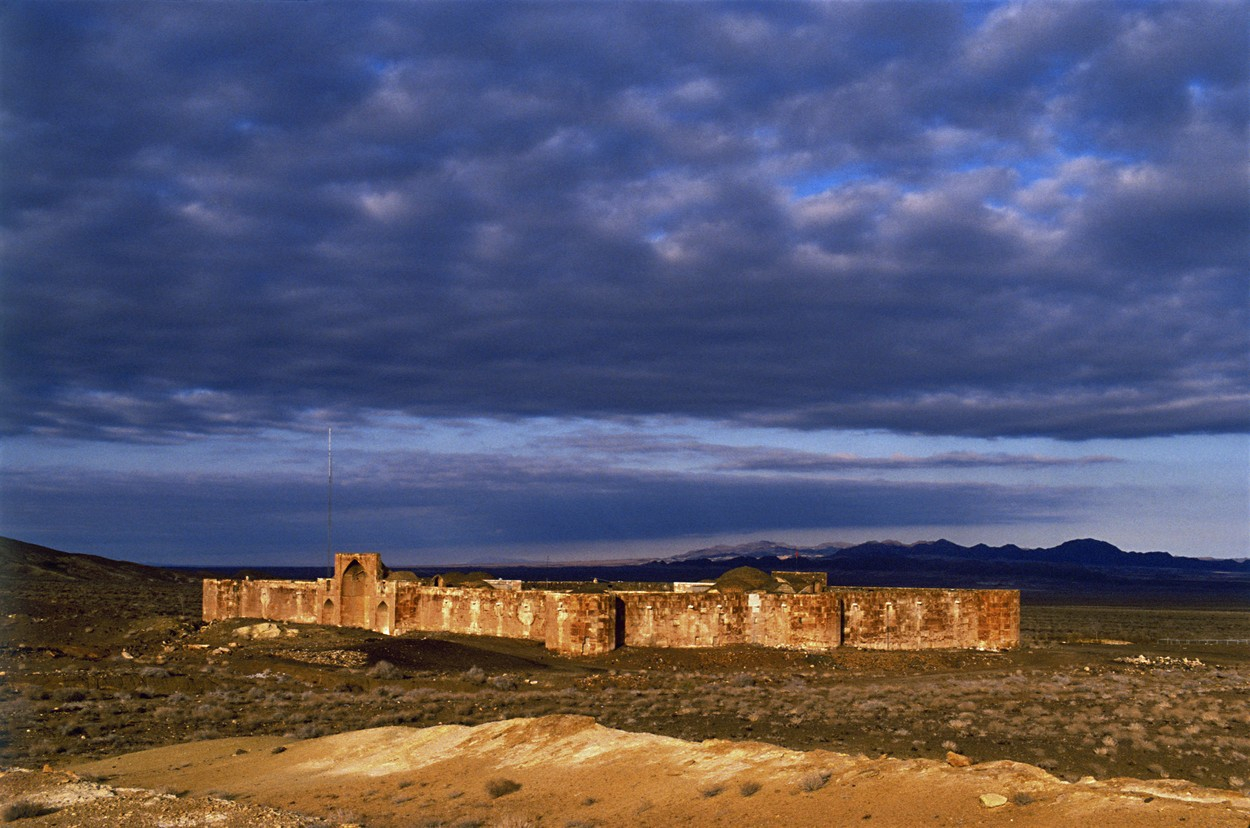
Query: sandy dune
{"points": [[572, 771]]}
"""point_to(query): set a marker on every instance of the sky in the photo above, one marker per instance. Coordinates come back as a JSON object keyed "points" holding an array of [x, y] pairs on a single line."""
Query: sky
{"points": [[575, 281]]}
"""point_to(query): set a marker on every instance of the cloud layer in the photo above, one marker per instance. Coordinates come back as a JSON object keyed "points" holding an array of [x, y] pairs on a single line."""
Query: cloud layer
{"points": [[455, 506], [929, 218]]}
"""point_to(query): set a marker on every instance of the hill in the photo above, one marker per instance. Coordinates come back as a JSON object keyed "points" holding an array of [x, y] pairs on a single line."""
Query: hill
{"points": [[29, 561], [569, 770]]}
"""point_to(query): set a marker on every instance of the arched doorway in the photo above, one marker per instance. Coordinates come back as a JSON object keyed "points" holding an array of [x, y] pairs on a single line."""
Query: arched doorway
{"points": [[381, 620], [355, 583], [327, 612]]}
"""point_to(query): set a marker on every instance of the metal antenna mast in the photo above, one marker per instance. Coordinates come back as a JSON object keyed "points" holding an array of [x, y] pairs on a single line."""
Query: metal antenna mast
{"points": [[330, 499]]}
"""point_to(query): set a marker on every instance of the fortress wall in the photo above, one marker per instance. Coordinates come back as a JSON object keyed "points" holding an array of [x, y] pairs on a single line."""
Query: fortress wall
{"points": [[293, 601], [998, 614], [502, 613], [573, 624], [592, 623], [220, 599], [808, 622], [676, 619], [796, 622], [906, 619], [922, 619], [581, 624]]}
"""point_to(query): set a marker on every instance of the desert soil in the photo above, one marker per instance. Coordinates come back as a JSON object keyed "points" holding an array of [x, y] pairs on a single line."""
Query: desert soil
{"points": [[569, 771], [94, 668]]}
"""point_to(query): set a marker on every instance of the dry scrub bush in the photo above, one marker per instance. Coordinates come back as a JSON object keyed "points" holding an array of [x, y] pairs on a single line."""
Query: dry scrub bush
{"points": [[503, 682], [814, 780], [24, 809], [500, 786], [383, 669]]}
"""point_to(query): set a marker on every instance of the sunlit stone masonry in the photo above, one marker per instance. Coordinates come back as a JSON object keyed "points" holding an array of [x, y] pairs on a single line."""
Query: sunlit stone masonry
{"points": [[794, 610]]}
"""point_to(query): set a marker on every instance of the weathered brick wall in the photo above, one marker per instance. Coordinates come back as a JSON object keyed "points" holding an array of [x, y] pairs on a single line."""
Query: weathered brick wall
{"points": [[911, 619], [574, 624], [220, 599], [921, 619], [998, 614], [810, 622], [581, 624], [683, 619], [592, 623], [502, 613], [284, 600], [796, 622], [294, 601]]}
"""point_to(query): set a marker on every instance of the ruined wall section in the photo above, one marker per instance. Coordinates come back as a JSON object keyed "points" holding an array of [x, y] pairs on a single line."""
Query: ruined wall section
{"points": [[220, 599], [924, 619], [885, 619], [796, 622], [677, 619], [502, 613], [572, 624], [592, 623], [807, 622], [998, 615], [581, 623], [294, 601]]}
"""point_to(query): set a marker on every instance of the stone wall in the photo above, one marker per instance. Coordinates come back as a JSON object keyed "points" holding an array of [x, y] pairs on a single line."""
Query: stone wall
{"points": [[294, 601], [502, 613], [597, 622], [921, 619], [661, 619], [903, 619], [582, 624], [360, 596]]}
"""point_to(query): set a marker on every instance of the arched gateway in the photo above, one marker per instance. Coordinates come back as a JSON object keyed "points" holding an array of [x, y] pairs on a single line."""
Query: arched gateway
{"points": [[355, 582]]}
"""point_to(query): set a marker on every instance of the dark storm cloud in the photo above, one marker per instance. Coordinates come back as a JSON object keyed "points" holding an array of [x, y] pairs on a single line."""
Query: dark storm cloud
{"points": [[930, 218], [466, 502]]}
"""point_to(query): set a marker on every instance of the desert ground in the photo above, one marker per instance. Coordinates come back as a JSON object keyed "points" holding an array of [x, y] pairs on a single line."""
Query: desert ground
{"points": [[115, 696]]}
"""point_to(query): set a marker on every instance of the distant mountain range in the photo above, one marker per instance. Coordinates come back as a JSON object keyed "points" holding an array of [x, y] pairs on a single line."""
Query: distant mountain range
{"points": [[1078, 571], [1083, 552]]}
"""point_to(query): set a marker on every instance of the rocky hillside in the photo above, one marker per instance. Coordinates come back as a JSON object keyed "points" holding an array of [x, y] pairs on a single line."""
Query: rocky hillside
{"points": [[29, 561]]}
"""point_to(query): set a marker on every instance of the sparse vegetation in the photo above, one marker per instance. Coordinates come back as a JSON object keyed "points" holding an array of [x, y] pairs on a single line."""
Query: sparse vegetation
{"points": [[749, 788], [384, 670], [501, 786], [814, 780], [24, 809], [1074, 708]]}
